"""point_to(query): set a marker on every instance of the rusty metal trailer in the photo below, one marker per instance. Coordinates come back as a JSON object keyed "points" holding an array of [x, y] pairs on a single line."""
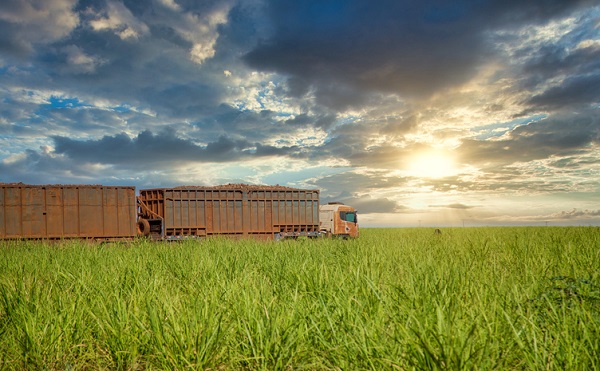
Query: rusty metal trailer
{"points": [[262, 212], [67, 211]]}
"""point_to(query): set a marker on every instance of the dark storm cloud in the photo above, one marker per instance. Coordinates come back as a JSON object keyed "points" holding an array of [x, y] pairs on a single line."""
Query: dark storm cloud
{"points": [[258, 125], [150, 149], [558, 59], [88, 121], [574, 92], [414, 48], [323, 120], [563, 71], [559, 135], [25, 23]]}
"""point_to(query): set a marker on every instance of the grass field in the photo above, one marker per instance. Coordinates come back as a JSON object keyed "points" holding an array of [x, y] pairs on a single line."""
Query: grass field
{"points": [[470, 298]]}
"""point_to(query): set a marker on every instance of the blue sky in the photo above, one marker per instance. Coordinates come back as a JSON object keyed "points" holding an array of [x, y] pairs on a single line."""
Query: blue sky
{"points": [[418, 113]]}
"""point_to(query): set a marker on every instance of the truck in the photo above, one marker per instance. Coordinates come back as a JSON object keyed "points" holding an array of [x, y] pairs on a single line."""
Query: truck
{"points": [[109, 213], [241, 210], [337, 219]]}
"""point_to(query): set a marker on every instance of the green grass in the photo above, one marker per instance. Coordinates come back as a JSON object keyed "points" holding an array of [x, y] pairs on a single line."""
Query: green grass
{"points": [[470, 298]]}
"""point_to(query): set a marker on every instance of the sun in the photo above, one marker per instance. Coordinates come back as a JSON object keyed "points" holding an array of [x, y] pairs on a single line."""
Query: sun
{"points": [[431, 164]]}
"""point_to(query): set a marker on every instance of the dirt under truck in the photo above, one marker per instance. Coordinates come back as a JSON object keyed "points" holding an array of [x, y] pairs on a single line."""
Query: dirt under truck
{"points": [[115, 212]]}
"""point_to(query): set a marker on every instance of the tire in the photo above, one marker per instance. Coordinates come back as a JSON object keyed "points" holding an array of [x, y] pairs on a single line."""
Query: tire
{"points": [[143, 227]]}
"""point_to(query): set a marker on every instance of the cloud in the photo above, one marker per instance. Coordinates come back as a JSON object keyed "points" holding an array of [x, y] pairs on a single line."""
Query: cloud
{"points": [[35, 167], [367, 204], [119, 19], [204, 33], [353, 181], [28, 22], [77, 61], [578, 91], [575, 214], [562, 59], [558, 135], [414, 49], [142, 55], [148, 150], [454, 206], [360, 190]]}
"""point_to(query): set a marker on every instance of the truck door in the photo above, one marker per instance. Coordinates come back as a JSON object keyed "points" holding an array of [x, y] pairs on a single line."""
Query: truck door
{"points": [[347, 223]]}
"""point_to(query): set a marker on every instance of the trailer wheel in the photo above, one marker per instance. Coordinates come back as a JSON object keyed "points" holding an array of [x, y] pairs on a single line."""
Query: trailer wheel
{"points": [[143, 227]]}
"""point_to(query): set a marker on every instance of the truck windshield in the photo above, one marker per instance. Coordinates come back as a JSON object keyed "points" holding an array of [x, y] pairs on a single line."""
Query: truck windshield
{"points": [[348, 216]]}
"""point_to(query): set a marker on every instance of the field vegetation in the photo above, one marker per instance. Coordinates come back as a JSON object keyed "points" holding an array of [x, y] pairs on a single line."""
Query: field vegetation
{"points": [[468, 298]]}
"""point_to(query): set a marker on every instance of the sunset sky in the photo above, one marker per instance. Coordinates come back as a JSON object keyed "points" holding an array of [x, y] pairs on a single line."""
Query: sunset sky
{"points": [[431, 113]]}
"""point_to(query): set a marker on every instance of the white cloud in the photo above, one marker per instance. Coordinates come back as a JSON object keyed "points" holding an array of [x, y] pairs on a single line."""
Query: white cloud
{"points": [[79, 62], [14, 158], [202, 31], [170, 4], [120, 20], [592, 44]]}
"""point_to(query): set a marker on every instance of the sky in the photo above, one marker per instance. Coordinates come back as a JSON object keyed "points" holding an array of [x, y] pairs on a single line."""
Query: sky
{"points": [[417, 113]]}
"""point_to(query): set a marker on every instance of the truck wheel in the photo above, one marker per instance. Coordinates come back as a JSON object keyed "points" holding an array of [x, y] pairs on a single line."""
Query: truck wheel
{"points": [[143, 227]]}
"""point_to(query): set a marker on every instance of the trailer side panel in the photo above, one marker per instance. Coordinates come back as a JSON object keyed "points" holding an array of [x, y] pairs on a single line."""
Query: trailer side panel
{"points": [[261, 212], [67, 211]]}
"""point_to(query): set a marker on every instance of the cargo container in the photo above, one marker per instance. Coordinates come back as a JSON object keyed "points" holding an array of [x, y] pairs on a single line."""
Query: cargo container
{"points": [[67, 211], [263, 212]]}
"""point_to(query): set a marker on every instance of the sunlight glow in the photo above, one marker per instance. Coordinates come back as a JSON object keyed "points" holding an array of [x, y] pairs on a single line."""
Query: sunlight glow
{"points": [[432, 164]]}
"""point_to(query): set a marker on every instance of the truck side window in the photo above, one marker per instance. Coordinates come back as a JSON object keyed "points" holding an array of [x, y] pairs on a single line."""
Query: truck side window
{"points": [[348, 216]]}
